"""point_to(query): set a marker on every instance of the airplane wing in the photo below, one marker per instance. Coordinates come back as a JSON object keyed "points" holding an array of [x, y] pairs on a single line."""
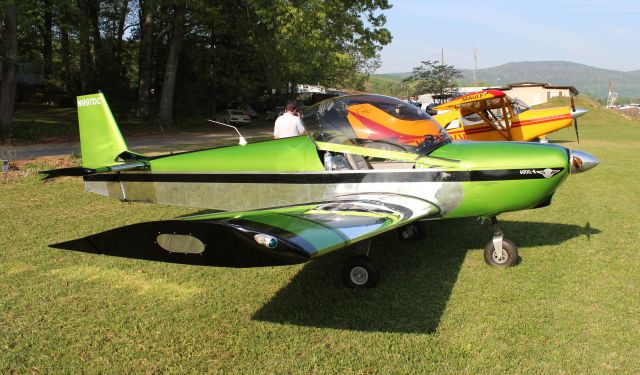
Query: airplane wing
{"points": [[470, 98], [276, 236]]}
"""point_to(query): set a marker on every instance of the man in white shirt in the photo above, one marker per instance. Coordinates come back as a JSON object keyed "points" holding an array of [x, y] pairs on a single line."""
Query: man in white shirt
{"points": [[289, 124]]}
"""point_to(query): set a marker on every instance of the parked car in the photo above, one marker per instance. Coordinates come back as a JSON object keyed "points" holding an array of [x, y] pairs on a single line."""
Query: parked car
{"points": [[244, 107], [274, 113], [233, 116]]}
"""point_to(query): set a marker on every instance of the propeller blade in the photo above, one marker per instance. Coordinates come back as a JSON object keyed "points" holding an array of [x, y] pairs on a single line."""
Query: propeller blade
{"points": [[575, 113]]}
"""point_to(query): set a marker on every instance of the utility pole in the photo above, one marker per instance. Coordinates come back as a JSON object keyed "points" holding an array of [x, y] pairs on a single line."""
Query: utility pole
{"points": [[406, 90], [475, 65], [611, 99]]}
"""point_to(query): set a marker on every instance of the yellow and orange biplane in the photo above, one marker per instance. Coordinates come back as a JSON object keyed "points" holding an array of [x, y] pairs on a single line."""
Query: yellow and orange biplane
{"points": [[491, 115], [488, 115]]}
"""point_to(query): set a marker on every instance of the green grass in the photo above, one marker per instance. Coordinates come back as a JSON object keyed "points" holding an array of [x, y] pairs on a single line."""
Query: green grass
{"points": [[570, 306]]}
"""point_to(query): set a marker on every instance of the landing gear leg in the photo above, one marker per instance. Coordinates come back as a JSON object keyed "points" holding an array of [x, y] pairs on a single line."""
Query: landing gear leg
{"points": [[360, 271], [500, 251]]}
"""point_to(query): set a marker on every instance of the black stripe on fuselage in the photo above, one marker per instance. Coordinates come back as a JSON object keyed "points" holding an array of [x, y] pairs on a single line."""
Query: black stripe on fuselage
{"points": [[329, 177]]}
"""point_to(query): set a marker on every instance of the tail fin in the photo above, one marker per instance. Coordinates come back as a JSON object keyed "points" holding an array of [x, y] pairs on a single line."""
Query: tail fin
{"points": [[100, 139]]}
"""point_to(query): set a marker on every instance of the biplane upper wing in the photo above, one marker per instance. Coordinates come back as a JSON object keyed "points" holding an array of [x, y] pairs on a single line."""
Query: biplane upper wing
{"points": [[470, 98], [276, 236]]}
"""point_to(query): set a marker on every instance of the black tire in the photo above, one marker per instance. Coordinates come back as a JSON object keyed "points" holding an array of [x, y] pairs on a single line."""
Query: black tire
{"points": [[509, 249], [360, 272], [413, 232]]}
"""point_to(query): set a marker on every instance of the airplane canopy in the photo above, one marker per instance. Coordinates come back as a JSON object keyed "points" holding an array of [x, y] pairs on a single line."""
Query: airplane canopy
{"points": [[362, 119]]}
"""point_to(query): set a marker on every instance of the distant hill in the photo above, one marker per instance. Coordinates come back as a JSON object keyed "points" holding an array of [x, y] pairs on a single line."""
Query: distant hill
{"points": [[586, 79], [387, 84]]}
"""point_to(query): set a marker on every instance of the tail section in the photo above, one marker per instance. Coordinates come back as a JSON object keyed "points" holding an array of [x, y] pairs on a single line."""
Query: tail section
{"points": [[100, 139], [103, 148]]}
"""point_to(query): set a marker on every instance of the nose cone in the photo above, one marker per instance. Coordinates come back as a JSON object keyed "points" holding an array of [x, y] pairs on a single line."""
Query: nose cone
{"points": [[578, 112], [581, 161]]}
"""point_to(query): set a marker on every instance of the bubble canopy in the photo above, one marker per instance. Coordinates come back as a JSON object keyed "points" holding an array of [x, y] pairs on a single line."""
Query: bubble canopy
{"points": [[374, 120]]}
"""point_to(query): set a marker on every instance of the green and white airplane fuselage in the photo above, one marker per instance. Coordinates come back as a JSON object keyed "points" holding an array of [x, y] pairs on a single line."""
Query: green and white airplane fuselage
{"points": [[236, 178]]}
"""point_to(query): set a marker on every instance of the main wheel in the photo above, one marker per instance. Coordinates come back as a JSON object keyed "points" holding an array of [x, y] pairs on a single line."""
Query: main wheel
{"points": [[413, 231], [360, 272], [509, 254]]}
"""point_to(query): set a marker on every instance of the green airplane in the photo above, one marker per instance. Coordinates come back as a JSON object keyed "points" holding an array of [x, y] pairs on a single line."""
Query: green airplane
{"points": [[291, 200]]}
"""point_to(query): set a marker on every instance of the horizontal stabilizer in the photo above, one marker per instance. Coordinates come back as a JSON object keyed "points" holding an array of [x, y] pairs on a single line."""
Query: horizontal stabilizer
{"points": [[73, 171], [82, 171]]}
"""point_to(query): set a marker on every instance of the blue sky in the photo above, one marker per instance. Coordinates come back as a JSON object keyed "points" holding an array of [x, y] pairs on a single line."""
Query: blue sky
{"points": [[604, 34]]}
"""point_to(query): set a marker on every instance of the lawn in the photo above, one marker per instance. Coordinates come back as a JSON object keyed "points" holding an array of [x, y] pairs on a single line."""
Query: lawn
{"points": [[571, 305]]}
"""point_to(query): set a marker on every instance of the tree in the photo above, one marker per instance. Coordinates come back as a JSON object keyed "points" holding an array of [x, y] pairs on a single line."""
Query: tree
{"points": [[9, 66], [168, 88], [204, 52], [147, 13], [434, 78], [334, 43]]}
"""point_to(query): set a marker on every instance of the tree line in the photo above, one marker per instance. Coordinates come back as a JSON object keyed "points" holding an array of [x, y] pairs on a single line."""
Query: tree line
{"points": [[161, 57]]}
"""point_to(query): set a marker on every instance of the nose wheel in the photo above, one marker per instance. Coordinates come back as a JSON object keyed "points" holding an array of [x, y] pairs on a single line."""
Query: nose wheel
{"points": [[500, 251]]}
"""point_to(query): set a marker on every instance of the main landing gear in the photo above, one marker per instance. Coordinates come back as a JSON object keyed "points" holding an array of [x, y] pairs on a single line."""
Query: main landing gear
{"points": [[412, 231], [360, 271], [500, 251]]}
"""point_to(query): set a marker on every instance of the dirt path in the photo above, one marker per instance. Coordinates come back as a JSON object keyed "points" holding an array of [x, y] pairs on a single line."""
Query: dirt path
{"points": [[149, 144]]}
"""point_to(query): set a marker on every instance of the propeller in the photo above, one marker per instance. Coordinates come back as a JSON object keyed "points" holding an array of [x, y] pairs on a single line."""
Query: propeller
{"points": [[575, 113]]}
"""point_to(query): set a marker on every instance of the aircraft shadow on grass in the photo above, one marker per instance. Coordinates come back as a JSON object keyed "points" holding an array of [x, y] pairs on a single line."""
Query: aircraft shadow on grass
{"points": [[416, 283]]}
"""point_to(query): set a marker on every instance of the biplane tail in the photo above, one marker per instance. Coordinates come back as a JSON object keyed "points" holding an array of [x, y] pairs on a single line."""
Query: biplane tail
{"points": [[102, 146]]}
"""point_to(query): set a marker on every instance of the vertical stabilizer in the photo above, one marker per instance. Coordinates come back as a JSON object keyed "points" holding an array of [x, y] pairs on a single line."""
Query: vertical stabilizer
{"points": [[100, 138]]}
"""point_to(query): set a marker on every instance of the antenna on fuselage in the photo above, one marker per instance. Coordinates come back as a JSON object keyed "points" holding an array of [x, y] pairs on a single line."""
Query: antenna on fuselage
{"points": [[242, 141]]}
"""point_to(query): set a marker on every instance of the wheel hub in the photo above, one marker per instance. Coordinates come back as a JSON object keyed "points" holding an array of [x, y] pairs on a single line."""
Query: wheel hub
{"points": [[500, 259], [408, 232], [359, 275]]}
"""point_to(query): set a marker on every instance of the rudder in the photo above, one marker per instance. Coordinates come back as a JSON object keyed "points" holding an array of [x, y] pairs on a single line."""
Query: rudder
{"points": [[100, 139]]}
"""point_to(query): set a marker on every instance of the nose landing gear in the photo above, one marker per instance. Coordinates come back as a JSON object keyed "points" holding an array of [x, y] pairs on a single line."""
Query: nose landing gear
{"points": [[500, 251]]}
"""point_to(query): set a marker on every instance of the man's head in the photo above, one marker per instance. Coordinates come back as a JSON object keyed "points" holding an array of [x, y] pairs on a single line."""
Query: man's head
{"points": [[291, 106]]}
